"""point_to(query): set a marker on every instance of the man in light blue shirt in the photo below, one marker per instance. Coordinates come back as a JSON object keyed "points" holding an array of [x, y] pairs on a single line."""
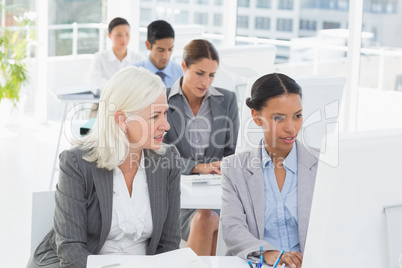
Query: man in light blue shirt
{"points": [[281, 227], [160, 43]]}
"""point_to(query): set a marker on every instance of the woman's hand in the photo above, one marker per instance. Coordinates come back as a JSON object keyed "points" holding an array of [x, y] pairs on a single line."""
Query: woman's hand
{"points": [[208, 168], [293, 259]]}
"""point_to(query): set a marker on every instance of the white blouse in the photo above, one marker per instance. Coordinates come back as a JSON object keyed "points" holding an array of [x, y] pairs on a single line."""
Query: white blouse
{"points": [[131, 219], [105, 64]]}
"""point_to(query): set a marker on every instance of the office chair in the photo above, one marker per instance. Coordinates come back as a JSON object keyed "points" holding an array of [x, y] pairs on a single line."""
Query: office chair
{"points": [[43, 205]]}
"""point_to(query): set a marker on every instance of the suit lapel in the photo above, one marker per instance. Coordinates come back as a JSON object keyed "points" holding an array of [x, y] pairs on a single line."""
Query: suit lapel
{"points": [[255, 183], [103, 181], [305, 189], [178, 120], [217, 124], [156, 195]]}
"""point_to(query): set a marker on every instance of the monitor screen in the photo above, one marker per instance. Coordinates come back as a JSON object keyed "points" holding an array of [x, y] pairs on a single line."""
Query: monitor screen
{"points": [[348, 226]]}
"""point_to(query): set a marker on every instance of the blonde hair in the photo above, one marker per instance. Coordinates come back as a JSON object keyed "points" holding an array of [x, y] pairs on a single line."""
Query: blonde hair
{"points": [[130, 90]]}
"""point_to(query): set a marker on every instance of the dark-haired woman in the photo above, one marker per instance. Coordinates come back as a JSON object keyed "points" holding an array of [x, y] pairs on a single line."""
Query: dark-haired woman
{"points": [[204, 127], [267, 192], [109, 61]]}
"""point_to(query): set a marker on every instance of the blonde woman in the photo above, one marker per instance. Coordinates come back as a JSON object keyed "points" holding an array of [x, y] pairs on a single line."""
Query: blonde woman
{"points": [[119, 189]]}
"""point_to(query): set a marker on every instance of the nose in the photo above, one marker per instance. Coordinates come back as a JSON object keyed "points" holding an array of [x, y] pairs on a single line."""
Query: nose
{"points": [[207, 81], [165, 55], [289, 126], [164, 125]]}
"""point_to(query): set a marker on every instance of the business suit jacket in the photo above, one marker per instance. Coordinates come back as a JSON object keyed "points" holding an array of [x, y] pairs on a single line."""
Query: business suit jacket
{"points": [[83, 214], [243, 200], [224, 130]]}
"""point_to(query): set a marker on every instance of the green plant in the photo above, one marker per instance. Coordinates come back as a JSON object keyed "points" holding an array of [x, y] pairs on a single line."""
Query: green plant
{"points": [[13, 51]]}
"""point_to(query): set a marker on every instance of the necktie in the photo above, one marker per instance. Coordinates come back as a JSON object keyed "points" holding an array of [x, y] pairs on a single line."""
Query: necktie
{"points": [[161, 75]]}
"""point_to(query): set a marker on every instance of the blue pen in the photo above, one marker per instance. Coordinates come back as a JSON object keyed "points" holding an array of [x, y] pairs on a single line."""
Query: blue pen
{"points": [[261, 259], [278, 259], [249, 264]]}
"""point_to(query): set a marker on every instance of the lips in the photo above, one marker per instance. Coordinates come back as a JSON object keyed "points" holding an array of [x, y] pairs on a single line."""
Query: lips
{"points": [[159, 138], [289, 140]]}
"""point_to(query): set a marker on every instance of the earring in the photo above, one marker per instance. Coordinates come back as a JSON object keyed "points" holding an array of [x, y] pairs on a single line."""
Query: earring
{"points": [[125, 131]]}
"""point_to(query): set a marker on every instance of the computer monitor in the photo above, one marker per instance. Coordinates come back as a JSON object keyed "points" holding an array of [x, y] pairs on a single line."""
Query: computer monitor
{"points": [[321, 100], [240, 63], [348, 226]]}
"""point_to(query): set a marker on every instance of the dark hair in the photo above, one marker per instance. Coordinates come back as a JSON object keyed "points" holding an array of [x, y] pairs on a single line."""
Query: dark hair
{"points": [[116, 22], [159, 29], [199, 49], [270, 86]]}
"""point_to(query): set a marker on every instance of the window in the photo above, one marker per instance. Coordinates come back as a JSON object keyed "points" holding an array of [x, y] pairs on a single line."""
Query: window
{"points": [[66, 12], [202, 2], [242, 21], [181, 18], [284, 25], [331, 25], [166, 1], [218, 2], [243, 3], [201, 18], [217, 19], [181, 1], [371, 6], [308, 25], [145, 15], [262, 23], [285, 4], [263, 4]]}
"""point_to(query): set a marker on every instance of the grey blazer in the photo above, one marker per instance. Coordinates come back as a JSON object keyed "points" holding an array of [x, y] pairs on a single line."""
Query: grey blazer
{"points": [[243, 201], [83, 214], [224, 131]]}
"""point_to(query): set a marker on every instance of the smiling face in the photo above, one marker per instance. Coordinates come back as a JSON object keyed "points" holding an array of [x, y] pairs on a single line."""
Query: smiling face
{"points": [[281, 119], [120, 36], [145, 130], [160, 52], [198, 77]]}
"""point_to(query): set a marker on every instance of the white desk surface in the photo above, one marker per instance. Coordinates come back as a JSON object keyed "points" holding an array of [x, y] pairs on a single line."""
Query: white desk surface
{"points": [[99, 261], [201, 196]]}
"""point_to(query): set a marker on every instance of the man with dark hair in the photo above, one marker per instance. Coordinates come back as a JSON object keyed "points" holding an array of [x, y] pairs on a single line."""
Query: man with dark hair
{"points": [[160, 43]]}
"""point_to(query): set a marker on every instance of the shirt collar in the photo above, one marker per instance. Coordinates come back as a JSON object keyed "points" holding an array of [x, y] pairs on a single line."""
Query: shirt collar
{"points": [[176, 89], [168, 70], [112, 57], [290, 161]]}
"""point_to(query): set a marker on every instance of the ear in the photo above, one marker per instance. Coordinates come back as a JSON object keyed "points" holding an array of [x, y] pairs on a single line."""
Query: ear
{"points": [[183, 65], [256, 117], [148, 45], [109, 35], [120, 119]]}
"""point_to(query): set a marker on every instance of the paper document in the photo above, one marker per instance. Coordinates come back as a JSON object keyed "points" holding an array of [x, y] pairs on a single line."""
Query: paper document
{"points": [[202, 178], [180, 258]]}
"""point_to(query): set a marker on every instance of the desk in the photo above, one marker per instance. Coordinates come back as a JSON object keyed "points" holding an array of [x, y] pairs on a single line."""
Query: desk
{"points": [[98, 261], [201, 196], [204, 196]]}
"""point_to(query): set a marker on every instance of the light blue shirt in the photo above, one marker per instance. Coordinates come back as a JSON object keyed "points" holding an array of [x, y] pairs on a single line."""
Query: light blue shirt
{"points": [[281, 227], [172, 71]]}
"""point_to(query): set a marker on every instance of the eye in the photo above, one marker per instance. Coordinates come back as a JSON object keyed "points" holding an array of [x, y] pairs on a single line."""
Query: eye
{"points": [[165, 113], [170, 49], [200, 74], [212, 75], [154, 117], [298, 116], [278, 118]]}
